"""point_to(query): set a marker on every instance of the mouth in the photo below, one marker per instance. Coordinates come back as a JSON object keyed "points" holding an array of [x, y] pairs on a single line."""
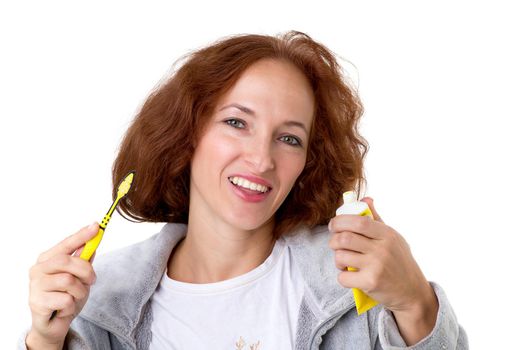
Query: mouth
{"points": [[249, 185]]}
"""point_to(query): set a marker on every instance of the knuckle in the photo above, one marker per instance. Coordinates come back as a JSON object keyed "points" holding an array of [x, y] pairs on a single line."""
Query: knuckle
{"points": [[362, 223], [37, 304], [332, 243], [83, 293], [68, 300], [66, 260], [346, 239], [340, 256], [340, 278], [93, 276], [66, 280], [61, 260], [88, 273]]}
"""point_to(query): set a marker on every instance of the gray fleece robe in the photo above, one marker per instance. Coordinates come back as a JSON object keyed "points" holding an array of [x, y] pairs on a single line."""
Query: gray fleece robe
{"points": [[118, 314]]}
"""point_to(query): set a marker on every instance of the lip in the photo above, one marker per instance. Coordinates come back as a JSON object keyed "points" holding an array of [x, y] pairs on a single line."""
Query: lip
{"points": [[254, 179], [248, 195]]}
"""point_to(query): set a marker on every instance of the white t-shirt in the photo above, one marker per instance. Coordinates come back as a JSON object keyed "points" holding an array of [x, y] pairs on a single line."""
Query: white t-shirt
{"points": [[254, 311]]}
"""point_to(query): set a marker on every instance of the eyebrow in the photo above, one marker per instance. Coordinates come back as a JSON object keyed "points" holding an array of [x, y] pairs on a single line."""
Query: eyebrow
{"points": [[252, 113]]}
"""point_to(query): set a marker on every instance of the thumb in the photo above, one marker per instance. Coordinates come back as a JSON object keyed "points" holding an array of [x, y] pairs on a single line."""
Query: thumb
{"points": [[71, 243], [370, 203]]}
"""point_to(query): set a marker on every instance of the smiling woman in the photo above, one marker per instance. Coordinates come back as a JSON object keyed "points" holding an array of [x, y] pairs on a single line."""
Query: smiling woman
{"points": [[243, 152], [162, 139], [260, 145]]}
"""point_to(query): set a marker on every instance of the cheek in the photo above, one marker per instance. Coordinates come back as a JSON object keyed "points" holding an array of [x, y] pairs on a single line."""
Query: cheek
{"points": [[290, 168], [213, 153], [224, 149]]}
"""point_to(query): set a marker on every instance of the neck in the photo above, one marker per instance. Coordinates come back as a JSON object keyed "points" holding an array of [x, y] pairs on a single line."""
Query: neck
{"points": [[213, 253]]}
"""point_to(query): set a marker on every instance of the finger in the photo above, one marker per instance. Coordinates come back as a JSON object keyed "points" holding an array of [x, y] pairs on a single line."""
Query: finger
{"points": [[63, 282], [363, 225], [71, 243], [75, 266], [370, 203], [45, 303], [350, 241], [78, 252], [344, 258], [358, 279], [350, 279]]}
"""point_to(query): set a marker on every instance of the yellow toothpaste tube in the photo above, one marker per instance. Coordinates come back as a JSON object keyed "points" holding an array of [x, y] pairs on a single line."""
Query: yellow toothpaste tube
{"points": [[352, 206]]}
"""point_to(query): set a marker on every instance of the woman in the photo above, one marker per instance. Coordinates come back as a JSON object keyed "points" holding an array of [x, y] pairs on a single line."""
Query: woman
{"points": [[245, 152]]}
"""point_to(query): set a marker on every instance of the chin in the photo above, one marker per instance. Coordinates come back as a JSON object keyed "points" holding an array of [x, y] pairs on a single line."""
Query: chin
{"points": [[249, 225]]}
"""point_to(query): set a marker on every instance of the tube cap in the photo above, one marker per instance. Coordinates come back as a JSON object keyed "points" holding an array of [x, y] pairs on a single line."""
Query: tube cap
{"points": [[349, 197]]}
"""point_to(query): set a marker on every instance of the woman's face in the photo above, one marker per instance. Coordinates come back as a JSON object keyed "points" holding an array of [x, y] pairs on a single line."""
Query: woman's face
{"points": [[254, 147]]}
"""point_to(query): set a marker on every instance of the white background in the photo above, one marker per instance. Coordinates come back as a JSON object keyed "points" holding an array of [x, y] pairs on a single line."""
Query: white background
{"points": [[442, 86]]}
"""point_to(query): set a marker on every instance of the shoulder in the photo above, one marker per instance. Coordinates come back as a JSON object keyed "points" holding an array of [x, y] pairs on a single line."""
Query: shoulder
{"points": [[310, 242], [133, 256], [314, 259], [128, 276], [310, 251]]}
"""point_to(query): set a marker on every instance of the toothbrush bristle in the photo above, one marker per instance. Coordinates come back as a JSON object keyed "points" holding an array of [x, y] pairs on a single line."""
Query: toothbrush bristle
{"points": [[125, 185]]}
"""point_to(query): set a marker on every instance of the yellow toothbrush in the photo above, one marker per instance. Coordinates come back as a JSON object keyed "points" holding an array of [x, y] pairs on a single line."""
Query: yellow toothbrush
{"points": [[91, 246], [93, 243]]}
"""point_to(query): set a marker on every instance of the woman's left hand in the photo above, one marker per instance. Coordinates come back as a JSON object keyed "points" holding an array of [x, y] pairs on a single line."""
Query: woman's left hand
{"points": [[387, 271]]}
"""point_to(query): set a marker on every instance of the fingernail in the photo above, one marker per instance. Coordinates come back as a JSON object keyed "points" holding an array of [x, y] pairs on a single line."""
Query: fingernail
{"points": [[92, 226], [330, 226]]}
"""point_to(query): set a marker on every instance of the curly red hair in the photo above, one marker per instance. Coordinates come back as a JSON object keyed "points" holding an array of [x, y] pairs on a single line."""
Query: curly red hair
{"points": [[161, 139]]}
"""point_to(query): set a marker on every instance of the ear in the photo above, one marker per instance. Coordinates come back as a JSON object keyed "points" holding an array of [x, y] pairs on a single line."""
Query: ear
{"points": [[370, 203]]}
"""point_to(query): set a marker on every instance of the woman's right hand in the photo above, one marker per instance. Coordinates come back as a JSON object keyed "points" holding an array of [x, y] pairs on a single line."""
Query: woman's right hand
{"points": [[60, 280]]}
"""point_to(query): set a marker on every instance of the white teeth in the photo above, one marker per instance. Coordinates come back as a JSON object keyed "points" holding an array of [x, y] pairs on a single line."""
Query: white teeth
{"points": [[239, 181]]}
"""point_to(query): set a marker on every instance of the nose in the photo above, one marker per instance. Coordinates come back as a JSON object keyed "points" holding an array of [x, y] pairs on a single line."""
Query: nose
{"points": [[258, 155]]}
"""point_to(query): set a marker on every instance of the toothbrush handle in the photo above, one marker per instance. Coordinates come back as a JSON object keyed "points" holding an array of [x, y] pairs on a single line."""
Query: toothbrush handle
{"points": [[92, 245]]}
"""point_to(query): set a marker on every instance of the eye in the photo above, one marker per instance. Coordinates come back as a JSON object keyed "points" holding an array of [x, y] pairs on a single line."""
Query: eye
{"points": [[291, 140], [236, 123], [288, 139]]}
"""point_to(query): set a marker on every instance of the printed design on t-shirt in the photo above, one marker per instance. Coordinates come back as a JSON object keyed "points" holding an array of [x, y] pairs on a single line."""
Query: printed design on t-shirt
{"points": [[241, 343]]}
